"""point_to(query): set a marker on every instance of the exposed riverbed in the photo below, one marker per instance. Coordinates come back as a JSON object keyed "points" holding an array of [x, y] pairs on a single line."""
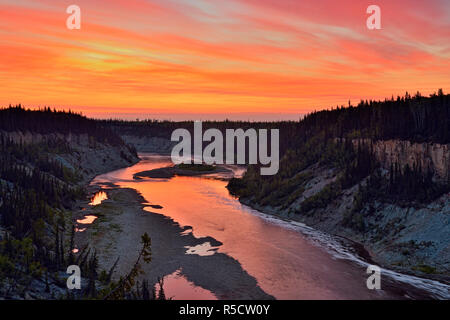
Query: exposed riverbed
{"points": [[207, 245]]}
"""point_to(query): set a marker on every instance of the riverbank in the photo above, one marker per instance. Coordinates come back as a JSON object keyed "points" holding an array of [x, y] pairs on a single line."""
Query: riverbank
{"points": [[283, 259], [360, 246], [116, 233], [45, 174]]}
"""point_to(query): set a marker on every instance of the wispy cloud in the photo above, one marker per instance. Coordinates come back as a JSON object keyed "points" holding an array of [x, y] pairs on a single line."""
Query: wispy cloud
{"points": [[181, 56]]}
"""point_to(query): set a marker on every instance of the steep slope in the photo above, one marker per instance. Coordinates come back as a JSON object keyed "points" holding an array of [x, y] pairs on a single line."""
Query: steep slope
{"points": [[46, 160], [377, 174]]}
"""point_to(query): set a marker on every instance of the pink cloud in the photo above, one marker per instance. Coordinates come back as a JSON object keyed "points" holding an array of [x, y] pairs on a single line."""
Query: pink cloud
{"points": [[221, 55]]}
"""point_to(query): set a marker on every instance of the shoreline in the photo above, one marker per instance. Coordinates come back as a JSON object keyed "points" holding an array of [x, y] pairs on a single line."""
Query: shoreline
{"points": [[126, 215], [116, 233], [361, 249]]}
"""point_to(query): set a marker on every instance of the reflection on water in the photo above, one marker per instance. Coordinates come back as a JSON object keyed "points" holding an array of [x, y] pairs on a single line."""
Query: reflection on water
{"points": [[98, 198], [176, 286], [86, 220], [284, 261]]}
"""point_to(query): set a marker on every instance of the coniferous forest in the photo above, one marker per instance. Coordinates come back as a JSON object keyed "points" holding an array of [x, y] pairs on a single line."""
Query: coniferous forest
{"points": [[329, 138], [37, 195]]}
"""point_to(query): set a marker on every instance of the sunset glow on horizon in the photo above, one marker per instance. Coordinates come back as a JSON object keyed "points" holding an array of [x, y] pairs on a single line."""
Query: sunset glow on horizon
{"points": [[172, 58]]}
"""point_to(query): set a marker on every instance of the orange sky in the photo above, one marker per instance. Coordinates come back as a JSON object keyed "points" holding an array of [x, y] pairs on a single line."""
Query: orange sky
{"points": [[218, 58]]}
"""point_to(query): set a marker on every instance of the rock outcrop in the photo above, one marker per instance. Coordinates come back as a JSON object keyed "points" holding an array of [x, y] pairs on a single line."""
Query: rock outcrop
{"points": [[433, 156], [88, 157], [406, 237]]}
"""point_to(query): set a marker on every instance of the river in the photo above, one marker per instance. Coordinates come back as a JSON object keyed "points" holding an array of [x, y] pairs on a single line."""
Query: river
{"points": [[288, 260]]}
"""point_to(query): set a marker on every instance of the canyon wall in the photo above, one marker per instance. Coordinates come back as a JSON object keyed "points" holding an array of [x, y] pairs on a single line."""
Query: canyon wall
{"points": [[432, 156], [87, 156]]}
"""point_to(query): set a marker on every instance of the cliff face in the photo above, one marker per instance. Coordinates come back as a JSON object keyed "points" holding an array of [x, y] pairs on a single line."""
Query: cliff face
{"points": [[406, 237], [88, 157], [432, 156], [403, 238]]}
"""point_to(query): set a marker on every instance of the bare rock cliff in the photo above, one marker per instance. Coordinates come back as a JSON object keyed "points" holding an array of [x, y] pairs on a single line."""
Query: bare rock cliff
{"points": [[432, 156]]}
